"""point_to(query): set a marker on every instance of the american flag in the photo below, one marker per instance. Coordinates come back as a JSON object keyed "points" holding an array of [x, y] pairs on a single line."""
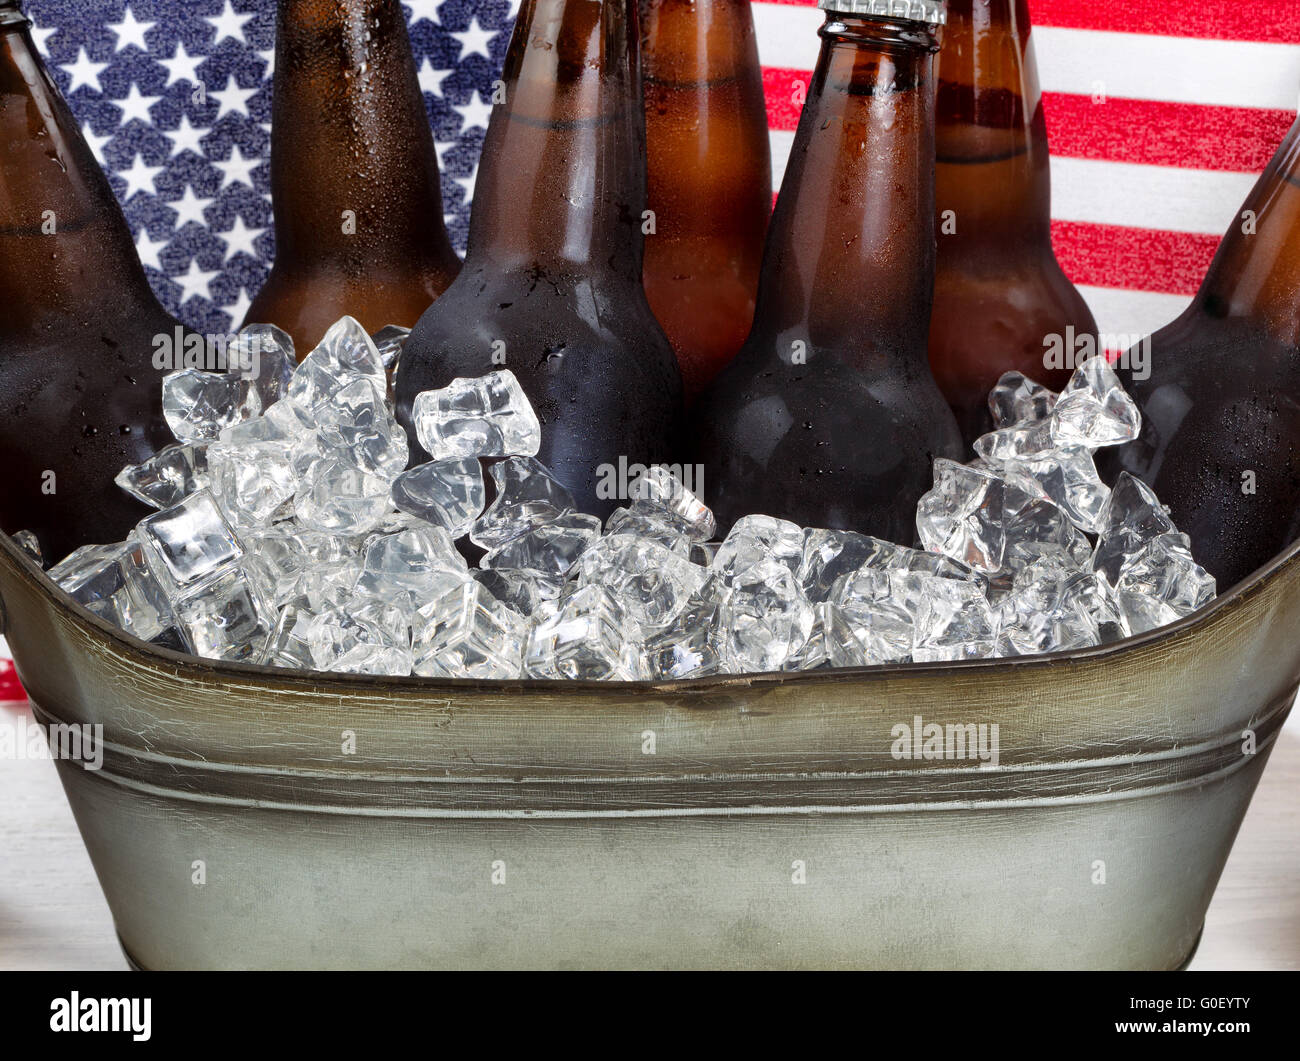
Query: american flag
{"points": [[1160, 115]]}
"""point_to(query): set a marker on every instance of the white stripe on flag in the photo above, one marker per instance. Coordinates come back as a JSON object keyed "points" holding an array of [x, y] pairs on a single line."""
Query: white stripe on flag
{"points": [[1119, 193], [1217, 73], [787, 34], [1173, 69], [780, 141], [1157, 197], [1121, 312]]}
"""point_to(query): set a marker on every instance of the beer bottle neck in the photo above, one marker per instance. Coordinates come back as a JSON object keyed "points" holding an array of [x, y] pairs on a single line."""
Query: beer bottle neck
{"points": [[850, 253], [990, 133], [694, 43], [66, 253], [354, 175], [562, 181], [1256, 272]]}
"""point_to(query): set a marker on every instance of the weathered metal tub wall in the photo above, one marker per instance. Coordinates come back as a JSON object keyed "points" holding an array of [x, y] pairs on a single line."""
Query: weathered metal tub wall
{"points": [[527, 824]]}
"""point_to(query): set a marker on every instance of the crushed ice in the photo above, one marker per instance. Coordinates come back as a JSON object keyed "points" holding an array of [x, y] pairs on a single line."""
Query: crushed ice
{"points": [[290, 532]]}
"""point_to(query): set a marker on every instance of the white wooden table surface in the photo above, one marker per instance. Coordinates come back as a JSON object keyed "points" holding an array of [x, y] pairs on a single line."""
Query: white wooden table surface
{"points": [[53, 915]]}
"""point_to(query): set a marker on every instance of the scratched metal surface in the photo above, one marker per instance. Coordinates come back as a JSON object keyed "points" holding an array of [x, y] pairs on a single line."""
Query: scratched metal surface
{"points": [[1125, 762]]}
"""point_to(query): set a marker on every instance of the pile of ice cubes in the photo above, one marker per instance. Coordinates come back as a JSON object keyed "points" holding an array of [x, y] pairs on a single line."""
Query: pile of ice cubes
{"points": [[290, 532]]}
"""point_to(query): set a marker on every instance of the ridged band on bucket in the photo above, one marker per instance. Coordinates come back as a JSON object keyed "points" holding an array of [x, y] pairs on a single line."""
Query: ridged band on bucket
{"points": [[932, 11]]}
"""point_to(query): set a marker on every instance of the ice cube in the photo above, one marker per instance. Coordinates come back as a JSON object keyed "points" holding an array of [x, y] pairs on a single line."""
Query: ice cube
{"points": [[468, 633], [226, 617], [393, 522], [1016, 398], [989, 522], [658, 527], [345, 354], [258, 429], [1016, 442], [338, 497], [389, 341], [277, 559], [30, 544], [527, 497], [354, 425], [845, 643], [198, 405], [485, 417], [331, 584], [448, 494], [552, 548], [962, 516], [252, 481], [687, 647], [765, 618], [590, 638], [921, 562], [1094, 410], [1090, 591], [651, 581], [283, 421], [1161, 583], [1036, 527], [754, 539], [264, 354], [702, 553], [524, 591], [875, 604], [323, 547], [1132, 516], [661, 494], [1054, 606], [374, 638], [168, 477], [289, 646], [830, 554], [814, 653], [188, 543], [113, 582], [420, 562], [954, 621], [1069, 478]]}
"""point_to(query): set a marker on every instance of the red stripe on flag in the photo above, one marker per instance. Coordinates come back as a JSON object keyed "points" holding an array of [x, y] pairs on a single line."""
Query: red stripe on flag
{"points": [[1139, 259], [785, 89], [1213, 19], [1186, 135], [1135, 259]]}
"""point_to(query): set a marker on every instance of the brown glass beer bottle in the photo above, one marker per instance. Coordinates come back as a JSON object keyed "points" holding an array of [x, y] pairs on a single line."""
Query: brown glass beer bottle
{"points": [[80, 397], [354, 178], [709, 174], [1000, 295], [1219, 389], [551, 287], [829, 415]]}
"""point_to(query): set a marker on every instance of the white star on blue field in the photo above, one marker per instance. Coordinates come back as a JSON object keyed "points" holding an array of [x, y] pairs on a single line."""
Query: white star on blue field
{"points": [[193, 178]]}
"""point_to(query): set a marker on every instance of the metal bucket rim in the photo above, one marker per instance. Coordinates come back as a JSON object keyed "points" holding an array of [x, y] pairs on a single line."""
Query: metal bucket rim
{"points": [[13, 556]]}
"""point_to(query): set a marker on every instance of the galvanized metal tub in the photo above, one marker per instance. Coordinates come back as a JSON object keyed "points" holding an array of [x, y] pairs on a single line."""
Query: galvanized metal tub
{"points": [[251, 817]]}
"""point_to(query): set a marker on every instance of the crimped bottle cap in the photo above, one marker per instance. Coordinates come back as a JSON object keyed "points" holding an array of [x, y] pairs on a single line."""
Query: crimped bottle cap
{"points": [[934, 12]]}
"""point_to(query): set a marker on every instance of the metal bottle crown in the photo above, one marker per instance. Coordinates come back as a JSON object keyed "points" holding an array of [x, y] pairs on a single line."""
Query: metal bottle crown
{"points": [[934, 12]]}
